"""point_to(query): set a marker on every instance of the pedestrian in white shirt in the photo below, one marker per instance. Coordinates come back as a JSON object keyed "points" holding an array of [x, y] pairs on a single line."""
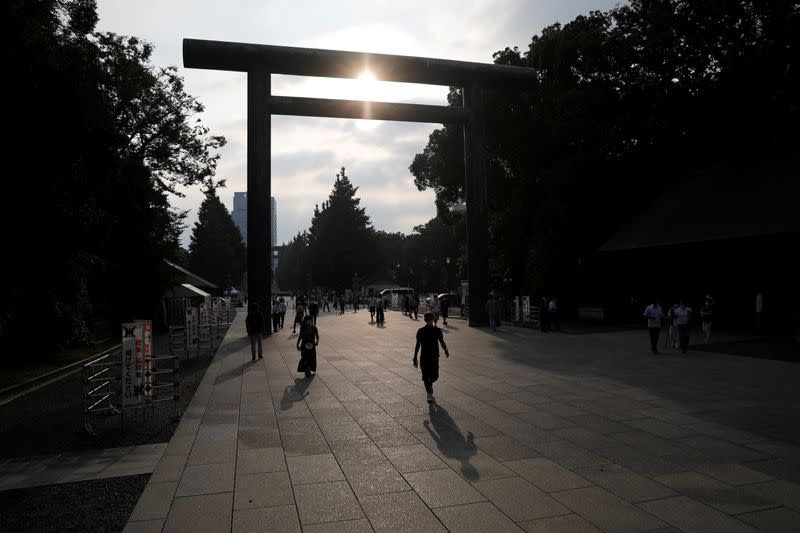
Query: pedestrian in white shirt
{"points": [[654, 316], [682, 315]]}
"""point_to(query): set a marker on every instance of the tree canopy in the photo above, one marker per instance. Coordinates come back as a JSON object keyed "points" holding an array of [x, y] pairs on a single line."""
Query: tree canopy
{"points": [[216, 248], [100, 139]]}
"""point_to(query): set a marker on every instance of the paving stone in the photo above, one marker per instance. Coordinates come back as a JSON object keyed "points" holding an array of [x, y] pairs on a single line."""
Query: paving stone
{"points": [[400, 512], [519, 499], [563, 410], [639, 461], [206, 479], [722, 450], [547, 475], [475, 518], [413, 458], [199, 514], [503, 448], [169, 468], [179, 445], [510, 406], [545, 420], [144, 526], [314, 469], [348, 526], [606, 511], [732, 474], [375, 479], [326, 502], [650, 443], [693, 517], [778, 520], [305, 444], [154, 502], [273, 519], [267, 489], [257, 460], [395, 435], [585, 438], [783, 492], [661, 428], [569, 455], [250, 438], [724, 497], [441, 488], [625, 483], [569, 523]]}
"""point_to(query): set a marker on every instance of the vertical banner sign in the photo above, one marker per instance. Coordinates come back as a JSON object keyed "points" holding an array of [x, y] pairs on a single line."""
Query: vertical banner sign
{"points": [[145, 329], [204, 313], [526, 308], [517, 316], [227, 303], [191, 329], [215, 308], [130, 385]]}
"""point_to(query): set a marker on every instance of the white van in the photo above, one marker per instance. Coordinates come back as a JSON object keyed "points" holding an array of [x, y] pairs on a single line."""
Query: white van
{"points": [[401, 293]]}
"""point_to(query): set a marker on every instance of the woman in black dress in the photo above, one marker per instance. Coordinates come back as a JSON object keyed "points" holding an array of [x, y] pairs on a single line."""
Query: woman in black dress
{"points": [[307, 342]]}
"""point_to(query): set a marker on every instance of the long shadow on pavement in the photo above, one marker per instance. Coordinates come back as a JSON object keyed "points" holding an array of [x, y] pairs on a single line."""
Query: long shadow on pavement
{"points": [[295, 393], [451, 442]]}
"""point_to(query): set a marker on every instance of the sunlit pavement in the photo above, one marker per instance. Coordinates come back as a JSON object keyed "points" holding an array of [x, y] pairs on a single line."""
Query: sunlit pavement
{"points": [[530, 431]]}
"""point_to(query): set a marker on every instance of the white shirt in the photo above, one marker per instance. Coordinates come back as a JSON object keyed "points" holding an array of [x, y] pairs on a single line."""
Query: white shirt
{"points": [[682, 315], [654, 315]]}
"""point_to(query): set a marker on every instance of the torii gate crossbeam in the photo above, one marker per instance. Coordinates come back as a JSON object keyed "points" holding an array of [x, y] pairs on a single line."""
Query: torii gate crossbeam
{"points": [[260, 61]]}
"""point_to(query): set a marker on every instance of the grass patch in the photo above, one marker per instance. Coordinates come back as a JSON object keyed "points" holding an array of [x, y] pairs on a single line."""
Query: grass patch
{"points": [[20, 373]]}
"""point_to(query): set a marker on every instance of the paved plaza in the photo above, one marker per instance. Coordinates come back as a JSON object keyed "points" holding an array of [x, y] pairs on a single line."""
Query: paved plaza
{"points": [[530, 432]]}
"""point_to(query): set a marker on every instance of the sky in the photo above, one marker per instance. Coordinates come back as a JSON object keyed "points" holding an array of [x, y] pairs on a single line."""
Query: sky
{"points": [[308, 152]]}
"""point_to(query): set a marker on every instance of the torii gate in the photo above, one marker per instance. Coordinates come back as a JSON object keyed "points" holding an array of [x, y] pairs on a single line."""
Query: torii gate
{"points": [[260, 61]]}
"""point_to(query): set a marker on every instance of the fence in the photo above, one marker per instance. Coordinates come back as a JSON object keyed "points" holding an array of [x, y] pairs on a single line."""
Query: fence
{"points": [[102, 386]]}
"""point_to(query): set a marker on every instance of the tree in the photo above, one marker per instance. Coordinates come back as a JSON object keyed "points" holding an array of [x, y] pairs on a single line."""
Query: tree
{"points": [[101, 138], [216, 248], [341, 239]]}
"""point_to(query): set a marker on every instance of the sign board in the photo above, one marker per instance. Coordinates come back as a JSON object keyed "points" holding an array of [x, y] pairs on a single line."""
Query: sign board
{"points": [[526, 309], [192, 326], [204, 308], [144, 349], [517, 309], [130, 382]]}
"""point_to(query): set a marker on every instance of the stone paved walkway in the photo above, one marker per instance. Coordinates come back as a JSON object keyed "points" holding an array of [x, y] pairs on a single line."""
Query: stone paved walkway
{"points": [[530, 431], [24, 472]]}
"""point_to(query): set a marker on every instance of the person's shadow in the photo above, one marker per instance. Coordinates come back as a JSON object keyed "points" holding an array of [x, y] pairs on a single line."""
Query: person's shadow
{"points": [[450, 440], [295, 393]]}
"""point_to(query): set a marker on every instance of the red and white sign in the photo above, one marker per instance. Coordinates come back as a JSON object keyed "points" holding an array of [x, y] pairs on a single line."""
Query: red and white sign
{"points": [[130, 382]]}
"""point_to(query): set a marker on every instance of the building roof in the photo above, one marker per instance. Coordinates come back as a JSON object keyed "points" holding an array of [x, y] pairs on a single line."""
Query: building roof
{"points": [[724, 203], [185, 290], [190, 277]]}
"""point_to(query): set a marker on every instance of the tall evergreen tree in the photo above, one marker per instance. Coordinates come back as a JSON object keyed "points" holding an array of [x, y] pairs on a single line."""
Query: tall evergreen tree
{"points": [[341, 239], [216, 249]]}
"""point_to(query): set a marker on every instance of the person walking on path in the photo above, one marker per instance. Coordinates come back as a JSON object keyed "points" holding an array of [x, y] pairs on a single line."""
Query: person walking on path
{"points": [[341, 304], [654, 315], [491, 311], [445, 306], [255, 325], [552, 315], [436, 309], [381, 318], [276, 315], [682, 315], [307, 342], [371, 301], [282, 304], [414, 306], [313, 310], [326, 303], [706, 315], [428, 338], [298, 317]]}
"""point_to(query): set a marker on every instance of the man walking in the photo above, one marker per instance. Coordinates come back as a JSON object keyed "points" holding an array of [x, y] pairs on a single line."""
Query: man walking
{"points": [[254, 324], [371, 301], [491, 311], [436, 309], [654, 316], [682, 315], [428, 338], [313, 310], [445, 306]]}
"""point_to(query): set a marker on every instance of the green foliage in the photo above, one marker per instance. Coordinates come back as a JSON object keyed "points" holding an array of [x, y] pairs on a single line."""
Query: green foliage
{"points": [[341, 239], [216, 249], [626, 101], [101, 138]]}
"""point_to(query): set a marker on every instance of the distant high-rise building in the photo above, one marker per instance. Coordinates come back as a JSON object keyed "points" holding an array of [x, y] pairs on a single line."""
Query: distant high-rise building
{"points": [[239, 215]]}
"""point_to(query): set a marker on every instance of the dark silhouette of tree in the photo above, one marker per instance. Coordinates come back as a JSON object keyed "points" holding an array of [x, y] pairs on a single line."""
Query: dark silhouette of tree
{"points": [[341, 239], [101, 137], [295, 264], [216, 249]]}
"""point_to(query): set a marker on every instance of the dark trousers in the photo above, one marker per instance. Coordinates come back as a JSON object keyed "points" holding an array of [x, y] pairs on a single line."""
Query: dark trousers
{"points": [[428, 385], [380, 319], [683, 337], [654, 333], [283, 316], [276, 322], [314, 318], [326, 307]]}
